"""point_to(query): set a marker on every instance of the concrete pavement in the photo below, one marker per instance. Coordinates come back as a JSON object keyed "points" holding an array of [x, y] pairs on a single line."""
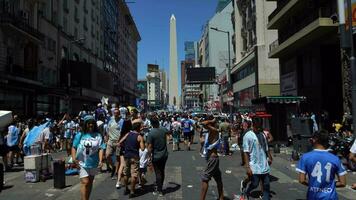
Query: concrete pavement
{"points": [[182, 181]]}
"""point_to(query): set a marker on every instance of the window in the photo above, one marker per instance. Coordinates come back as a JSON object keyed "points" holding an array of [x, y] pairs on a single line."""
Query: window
{"points": [[65, 24], [65, 6], [76, 15], [85, 6], [85, 24], [75, 33]]}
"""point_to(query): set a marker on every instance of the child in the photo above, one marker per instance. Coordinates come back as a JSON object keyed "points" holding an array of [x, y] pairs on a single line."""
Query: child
{"points": [[143, 167]]}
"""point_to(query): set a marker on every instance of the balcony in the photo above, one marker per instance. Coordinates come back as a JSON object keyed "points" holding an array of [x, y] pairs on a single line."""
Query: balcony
{"points": [[299, 36], [284, 8], [20, 24]]}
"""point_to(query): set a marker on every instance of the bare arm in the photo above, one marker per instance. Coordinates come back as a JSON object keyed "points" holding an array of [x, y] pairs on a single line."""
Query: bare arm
{"points": [[352, 157], [341, 182], [123, 139], [142, 143], [303, 179]]}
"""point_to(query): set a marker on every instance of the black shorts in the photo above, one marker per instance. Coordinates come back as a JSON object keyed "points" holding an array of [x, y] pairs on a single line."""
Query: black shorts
{"points": [[14, 148], [188, 136], [212, 170], [3, 150]]}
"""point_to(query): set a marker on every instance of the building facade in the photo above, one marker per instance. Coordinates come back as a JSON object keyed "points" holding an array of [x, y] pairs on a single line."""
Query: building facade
{"points": [[52, 56], [308, 48], [213, 47], [253, 73], [129, 37]]}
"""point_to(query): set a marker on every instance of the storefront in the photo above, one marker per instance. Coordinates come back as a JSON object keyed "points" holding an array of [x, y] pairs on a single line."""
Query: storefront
{"points": [[279, 109]]}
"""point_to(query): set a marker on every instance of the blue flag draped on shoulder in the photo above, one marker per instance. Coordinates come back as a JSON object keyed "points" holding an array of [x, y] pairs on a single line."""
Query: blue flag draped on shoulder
{"points": [[32, 136]]}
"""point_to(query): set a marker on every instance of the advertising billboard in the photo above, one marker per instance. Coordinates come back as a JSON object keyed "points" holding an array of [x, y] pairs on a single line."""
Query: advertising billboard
{"points": [[201, 75], [152, 68]]}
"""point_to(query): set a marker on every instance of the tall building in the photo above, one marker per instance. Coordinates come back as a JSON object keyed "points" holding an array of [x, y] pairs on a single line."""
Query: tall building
{"points": [[308, 48], [129, 37], [214, 47], [110, 14], [189, 92], [253, 74], [173, 63], [153, 87]]}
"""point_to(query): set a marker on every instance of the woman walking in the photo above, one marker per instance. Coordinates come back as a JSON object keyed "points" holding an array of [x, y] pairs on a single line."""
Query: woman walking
{"points": [[87, 153]]}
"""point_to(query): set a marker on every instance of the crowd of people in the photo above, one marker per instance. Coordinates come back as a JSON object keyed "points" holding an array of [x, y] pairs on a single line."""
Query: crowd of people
{"points": [[128, 142]]}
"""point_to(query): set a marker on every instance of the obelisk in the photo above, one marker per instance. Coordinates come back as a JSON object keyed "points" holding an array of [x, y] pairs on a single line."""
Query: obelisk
{"points": [[173, 63]]}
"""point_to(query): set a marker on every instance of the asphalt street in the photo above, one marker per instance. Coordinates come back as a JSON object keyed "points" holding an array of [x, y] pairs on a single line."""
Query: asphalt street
{"points": [[182, 181]]}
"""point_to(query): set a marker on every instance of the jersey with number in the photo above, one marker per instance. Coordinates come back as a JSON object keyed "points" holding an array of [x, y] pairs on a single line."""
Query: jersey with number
{"points": [[187, 124], [321, 168]]}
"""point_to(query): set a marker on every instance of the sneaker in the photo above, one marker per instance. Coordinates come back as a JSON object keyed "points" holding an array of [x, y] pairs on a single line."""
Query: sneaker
{"points": [[132, 195], [160, 194], [242, 186], [155, 193], [127, 191], [118, 185]]}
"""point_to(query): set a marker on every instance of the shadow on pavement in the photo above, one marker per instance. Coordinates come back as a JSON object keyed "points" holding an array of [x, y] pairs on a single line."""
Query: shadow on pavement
{"points": [[273, 178], [172, 189], [5, 187]]}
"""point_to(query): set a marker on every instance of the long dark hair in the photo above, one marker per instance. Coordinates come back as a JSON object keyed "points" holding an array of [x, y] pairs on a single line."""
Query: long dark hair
{"points": [[85, 127], [126, 127]]}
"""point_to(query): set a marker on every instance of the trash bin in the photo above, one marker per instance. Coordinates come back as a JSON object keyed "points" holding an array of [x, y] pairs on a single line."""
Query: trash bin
{"points": [[59, 178]]}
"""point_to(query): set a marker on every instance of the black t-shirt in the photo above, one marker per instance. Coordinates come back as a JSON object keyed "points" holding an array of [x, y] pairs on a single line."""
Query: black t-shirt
{"points": [[157, 137]]}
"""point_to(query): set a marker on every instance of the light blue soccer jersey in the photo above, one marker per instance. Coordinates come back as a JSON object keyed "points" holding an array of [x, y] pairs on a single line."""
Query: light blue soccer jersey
{"points": [[258, 158], [88, 146], [13, 136], [321, 167]]}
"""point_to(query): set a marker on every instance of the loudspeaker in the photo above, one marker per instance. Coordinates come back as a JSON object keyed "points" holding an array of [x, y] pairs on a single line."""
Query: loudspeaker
{"points": [[59, 178]]}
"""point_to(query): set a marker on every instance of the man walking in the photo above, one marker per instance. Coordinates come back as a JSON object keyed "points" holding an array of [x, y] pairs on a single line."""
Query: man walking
{"points": [[257, 159], [212, 169], [321, 167], [157, 148], [114, 131], [187, 126]]}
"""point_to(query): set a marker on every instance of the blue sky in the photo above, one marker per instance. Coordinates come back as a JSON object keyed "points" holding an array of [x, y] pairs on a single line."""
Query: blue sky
{"points": [[152, 19]]}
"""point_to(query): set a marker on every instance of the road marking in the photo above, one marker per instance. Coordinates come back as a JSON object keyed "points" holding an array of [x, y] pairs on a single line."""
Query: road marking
{"points": [[193, 157]]}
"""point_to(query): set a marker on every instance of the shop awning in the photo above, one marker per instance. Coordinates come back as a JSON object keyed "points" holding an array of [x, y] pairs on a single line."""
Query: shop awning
{"points": [[279, 99]]}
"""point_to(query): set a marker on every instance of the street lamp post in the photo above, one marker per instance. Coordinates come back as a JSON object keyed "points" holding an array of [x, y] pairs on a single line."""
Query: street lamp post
{"points": [[349, 44], [229, 64]]}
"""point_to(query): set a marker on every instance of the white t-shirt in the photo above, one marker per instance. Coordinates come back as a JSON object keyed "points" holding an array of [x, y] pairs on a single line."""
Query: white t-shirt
{"points": [[143, 158], [353, 148]]}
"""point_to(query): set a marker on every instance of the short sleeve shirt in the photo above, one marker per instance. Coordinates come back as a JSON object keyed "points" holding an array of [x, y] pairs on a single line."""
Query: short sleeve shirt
{"points": [[353, 148], [258, 157], [321, 167], [88, 146], [69, 127], [158, 139], [12, 136]]}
